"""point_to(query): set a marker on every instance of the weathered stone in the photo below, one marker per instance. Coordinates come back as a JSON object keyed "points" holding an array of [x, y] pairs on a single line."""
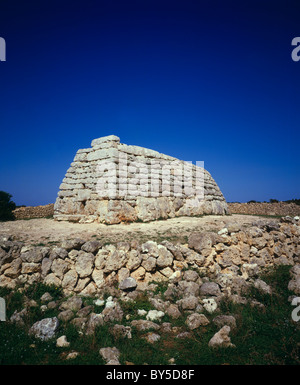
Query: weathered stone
{"points": [[84, 264], [152, 337], [71, 244], [201, 241], [142, 325], [17, 317], [190, 275], [70, 280], [174, 250], [79, 322], [209, 304], [262, 286], [165, 257], [138, 274], [173, 311], [62, 342], [189, 303], [249, 270], [46, 266], [73, 303], [46, 297], [134, 260], [65, 315], [52, 279], [210, 288], [121, 331], [110, 355], [128, 284], [45, 329], [34, 255], [294, 285], [113, 313], [89, 290], [58, 252], [59, 267], [229, 257], [91, 246], [115, 261], [94, 320], [149, 263], [221, 338], [154, 315], [29, 268], [222, 320], [195, 320], [14, 268], [189, 288]]}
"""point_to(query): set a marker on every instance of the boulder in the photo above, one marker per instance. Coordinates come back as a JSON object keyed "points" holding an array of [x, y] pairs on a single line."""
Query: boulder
{"points": [[195, 320], [44, 329]]}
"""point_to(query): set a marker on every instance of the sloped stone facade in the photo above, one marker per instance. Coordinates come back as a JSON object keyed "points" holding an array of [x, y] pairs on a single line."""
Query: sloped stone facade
{"points": [[113, 182]]}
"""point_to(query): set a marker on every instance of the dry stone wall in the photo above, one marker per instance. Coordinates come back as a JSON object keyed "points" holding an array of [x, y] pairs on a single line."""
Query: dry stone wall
{"points": [[231, 257], [113, 182], [265, 208], [34, 212]]}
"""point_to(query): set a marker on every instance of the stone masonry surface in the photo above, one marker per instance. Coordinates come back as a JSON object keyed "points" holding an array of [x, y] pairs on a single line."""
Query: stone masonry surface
{"points": [[230, 256], [113, 182]]}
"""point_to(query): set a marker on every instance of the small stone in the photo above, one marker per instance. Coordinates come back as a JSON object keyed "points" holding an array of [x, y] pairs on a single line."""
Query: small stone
{"points": [[121, 331], [223, 231], [62, 342], [189, 303], [195, 320], [99, 302], [222, 320], [190, 275], [154, 315], [142, 312], [72, 355], [210, 288], [73, 303], [46, 297], [142, 325], [65, 315], [221, 338], [152, 337], [210, 304], [173, 311], [262, 286], [128, 284], [110, 355]]}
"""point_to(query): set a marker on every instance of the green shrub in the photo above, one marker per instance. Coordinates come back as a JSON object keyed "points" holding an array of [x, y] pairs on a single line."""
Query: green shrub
{"points": [[6, 207]]}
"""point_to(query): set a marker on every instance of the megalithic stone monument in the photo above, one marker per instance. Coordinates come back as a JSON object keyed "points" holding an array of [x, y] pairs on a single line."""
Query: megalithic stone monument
{"points": [[113, 182]]}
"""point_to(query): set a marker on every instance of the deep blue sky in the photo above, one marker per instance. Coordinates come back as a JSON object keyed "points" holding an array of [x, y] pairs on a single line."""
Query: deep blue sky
{"points": [[199, 80]]}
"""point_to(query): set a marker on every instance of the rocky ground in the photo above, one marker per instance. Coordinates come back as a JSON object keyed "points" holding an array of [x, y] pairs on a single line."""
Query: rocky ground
{"points": [[198, 262], [44, 230]]}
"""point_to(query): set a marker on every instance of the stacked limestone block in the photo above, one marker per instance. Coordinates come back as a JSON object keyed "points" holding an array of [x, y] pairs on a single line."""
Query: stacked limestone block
{"points": [[113, 182]]}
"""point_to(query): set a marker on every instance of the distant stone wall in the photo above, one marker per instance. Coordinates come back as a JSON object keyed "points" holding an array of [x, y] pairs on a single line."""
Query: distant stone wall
{"points": [[34, 212], [112, 182], [264, 208]]}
